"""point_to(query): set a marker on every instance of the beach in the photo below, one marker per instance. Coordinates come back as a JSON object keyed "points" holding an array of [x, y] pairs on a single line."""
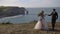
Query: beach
{"points": [[27, 28]]}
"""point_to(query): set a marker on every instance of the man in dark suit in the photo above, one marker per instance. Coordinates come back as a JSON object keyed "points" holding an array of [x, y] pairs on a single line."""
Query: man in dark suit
{"points": [[54, 15]]}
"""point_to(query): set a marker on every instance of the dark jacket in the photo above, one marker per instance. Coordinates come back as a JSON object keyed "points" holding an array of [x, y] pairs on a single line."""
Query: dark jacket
{"points": [[54, 15]]}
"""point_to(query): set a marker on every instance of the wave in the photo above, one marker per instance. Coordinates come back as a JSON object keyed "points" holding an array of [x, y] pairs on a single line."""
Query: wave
{"points": [[12, 17]]}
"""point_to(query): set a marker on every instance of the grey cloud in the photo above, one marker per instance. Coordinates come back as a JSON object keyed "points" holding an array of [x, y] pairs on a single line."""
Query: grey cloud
{"points": [[31, 3]]}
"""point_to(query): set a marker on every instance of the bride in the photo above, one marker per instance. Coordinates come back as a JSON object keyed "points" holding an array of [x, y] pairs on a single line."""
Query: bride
{"points": [[41, 24]]}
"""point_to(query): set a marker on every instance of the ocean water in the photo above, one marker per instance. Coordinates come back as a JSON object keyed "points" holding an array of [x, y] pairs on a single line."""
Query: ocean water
{"points": [[33, 12]]}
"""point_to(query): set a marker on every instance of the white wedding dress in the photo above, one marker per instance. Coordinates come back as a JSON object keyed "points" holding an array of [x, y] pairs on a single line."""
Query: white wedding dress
{"points": [[41, 24]]}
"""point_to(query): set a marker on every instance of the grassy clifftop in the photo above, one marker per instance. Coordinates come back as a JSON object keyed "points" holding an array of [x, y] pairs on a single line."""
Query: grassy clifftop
{"points": [[26, 28], [11, 11]]}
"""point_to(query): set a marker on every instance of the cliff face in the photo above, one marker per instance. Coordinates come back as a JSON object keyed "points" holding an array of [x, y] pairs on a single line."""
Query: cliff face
{"points": [[12, 11]]}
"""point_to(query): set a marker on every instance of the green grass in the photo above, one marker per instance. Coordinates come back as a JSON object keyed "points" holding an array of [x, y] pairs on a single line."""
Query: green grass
{"points": [[26, 28]]}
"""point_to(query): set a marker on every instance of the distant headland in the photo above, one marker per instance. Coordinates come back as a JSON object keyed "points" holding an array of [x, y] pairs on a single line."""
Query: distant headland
{"points": [[12, 11]]}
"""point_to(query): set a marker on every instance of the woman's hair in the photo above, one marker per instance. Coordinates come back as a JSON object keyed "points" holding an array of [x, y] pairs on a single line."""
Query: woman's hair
{"points": [[41, 13]]}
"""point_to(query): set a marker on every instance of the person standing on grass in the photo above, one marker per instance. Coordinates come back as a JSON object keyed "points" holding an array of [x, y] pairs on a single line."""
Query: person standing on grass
{"points": [[41, 23], [54, 15]]}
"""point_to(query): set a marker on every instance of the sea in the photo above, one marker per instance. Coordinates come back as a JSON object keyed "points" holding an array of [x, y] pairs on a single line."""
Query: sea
{"points": [[31, 16]]}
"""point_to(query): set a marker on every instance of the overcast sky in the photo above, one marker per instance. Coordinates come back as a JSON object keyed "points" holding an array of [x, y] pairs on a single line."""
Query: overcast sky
{"points": [[30, 3]]}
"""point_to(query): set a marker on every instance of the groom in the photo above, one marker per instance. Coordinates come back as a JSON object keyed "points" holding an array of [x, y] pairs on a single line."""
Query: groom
{"points": [[54, 15]]}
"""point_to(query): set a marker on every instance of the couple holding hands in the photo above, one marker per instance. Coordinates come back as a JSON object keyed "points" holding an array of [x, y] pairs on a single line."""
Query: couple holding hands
{"points": [[42, 24]]}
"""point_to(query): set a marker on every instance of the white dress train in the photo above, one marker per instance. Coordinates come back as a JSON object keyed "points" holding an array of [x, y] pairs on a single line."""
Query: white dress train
{"points": [[41, 24]]}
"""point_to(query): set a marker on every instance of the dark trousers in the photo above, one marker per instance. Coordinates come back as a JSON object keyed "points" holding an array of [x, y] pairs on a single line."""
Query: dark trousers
{"points": [[53, 23]]}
